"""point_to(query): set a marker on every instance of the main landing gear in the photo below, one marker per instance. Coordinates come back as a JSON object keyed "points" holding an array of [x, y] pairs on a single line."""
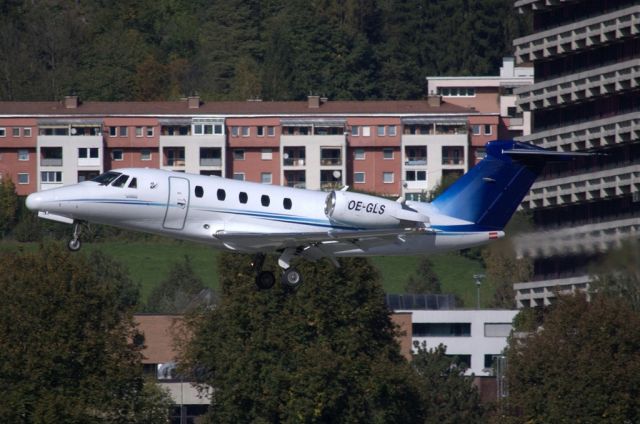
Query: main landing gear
{"points": [[74, 244], [291, 277]]}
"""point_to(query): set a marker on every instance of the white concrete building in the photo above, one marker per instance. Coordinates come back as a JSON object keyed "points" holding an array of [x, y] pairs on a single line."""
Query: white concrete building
{"points": [[474, 336]]}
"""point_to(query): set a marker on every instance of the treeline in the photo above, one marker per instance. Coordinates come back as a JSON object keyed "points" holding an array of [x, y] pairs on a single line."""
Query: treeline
{"points": [[241, 49]]}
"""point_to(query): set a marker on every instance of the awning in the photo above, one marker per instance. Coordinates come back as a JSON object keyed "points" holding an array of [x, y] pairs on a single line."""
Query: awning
{"points": [[323, 123], [174, 121], [429, 120], [77, 122]]}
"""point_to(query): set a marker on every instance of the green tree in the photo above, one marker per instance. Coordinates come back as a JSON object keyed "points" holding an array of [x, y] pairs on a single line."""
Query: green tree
{"points": [[324, 353], [175, 294], [68, 340], [8, 206], [618, 273], [424, 280], [502, 264], [449, 396], [583, 365]]}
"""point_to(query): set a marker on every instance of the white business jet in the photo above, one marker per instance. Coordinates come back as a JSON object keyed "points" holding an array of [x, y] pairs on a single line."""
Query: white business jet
{"points": [[256, 218]]}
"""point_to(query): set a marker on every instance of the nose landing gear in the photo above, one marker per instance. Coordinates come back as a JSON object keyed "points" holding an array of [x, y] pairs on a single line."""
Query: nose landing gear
{"points": [[74, 244]]}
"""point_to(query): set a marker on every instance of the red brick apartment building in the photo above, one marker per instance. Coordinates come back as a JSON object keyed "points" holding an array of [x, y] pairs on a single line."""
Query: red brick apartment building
{"points": [[387, 147]]}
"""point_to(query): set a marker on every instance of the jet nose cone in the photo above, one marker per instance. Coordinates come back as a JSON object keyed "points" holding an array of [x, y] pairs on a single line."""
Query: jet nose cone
{"points": [[34, 201]]}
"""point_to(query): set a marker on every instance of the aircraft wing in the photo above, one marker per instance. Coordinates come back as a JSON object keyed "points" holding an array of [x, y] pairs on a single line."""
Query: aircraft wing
{"points": [[362, 239]]}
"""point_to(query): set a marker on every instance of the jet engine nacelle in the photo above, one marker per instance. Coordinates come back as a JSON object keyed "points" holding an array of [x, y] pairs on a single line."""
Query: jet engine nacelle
{"points": [[362, 210]]}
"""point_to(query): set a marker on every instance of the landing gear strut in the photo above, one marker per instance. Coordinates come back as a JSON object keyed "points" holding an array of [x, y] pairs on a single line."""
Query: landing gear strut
{"points": [[74, 244], [291, 277]]}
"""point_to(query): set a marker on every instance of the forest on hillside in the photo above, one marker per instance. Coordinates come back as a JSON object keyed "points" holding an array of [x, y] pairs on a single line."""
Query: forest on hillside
{"points": [[240, 49]]}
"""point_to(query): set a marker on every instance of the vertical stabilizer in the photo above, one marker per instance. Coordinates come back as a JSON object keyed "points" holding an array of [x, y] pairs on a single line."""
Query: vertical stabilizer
{"points": [[490, 192]]}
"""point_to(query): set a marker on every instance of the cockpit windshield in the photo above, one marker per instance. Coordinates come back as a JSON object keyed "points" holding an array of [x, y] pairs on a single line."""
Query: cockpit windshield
{"points": [[120, 181], [106, 178]]}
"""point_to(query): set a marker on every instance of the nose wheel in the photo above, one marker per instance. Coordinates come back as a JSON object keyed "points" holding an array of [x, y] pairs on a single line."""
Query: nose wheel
{"points": [[74, 244]]}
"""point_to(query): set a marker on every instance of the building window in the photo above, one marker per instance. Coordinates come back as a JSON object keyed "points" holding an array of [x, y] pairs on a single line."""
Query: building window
{"points": [[149, 131], [26, 132], [265, 178], [84, 152], [387, 177], [499, 329], [359, 177], [113, 131], [239, 176], [3, 132], [117, 155], [489, 360], [416, 176], [391, 130], [286, 203], [480, 153], [246, 131], [271, 131], [238, 154], [442, 329], [381, 130], [221, 194], [139, 131], [457, 91], [387, 153], [15, 132], [366, 131], [358, 154], [23, 154], [260, 131], [266, 154], [51, 176], [243, 197], [355, 130], [145, 155], [264, 200], [487, 130], [199, 191], [23, 178], [234, 131], [475, 129], [123, 131]]}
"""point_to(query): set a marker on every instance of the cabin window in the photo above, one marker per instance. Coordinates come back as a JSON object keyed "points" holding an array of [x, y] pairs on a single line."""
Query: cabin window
{"points": [[133, 183], [221, 194], [120, 181], [265, 200], [286, 203], [199, 191], [243, 197], [106, 178]]}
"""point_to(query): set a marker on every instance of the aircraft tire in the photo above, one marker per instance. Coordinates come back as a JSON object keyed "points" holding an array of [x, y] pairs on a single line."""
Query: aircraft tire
{"points": [[291, 278], [74, 245], [265, 280]]}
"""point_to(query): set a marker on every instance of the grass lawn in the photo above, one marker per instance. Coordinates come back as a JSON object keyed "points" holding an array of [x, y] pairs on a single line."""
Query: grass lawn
{"points": [[149, 263]]}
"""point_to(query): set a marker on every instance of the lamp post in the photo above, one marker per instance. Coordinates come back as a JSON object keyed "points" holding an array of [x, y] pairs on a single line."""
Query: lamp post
{"points": [[478, 279]]}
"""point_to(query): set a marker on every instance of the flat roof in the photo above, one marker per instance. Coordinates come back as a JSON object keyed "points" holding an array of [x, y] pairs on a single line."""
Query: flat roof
{"points": [[229, 108]]}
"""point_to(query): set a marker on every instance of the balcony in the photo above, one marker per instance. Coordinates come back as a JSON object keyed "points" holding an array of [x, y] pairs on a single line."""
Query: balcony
{"points": [[293, 162], [293, 156], [331, 157], [296, 179], [416, 161], [210, 162], [452, 160], [51, 156]]}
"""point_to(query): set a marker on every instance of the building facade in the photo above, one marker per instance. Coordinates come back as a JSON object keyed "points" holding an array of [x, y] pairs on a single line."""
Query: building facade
{"points": [[493, 97], [388, 147], [586, 97], [475, 337]]}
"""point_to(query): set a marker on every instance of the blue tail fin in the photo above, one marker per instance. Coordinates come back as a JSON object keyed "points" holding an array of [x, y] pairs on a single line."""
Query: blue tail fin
{"points": [[490, 192]]}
